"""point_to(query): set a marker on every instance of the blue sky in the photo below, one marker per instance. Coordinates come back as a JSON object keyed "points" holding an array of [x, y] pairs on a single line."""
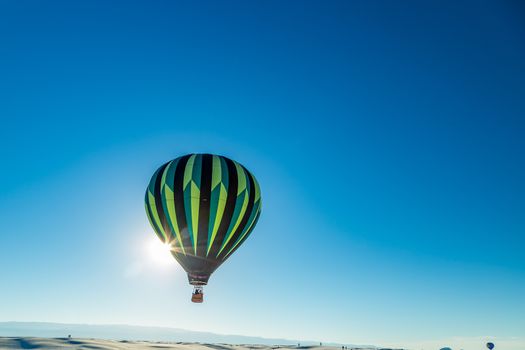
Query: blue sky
{"points": [[387, 139]]}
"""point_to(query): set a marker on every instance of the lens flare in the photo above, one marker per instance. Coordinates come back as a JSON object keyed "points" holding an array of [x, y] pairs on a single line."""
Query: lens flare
{"points": [[160, 252]]}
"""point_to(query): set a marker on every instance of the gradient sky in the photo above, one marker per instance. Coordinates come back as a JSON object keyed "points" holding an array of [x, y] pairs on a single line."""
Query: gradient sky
{"points": [[387, 137]]}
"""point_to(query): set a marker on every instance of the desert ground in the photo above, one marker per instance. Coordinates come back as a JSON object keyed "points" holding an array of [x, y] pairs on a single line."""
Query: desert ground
{"points": [[66, 343]]}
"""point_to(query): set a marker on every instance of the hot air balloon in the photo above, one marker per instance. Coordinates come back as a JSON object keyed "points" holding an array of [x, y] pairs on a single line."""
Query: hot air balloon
{"points": [[204, 207], [490, 346]]}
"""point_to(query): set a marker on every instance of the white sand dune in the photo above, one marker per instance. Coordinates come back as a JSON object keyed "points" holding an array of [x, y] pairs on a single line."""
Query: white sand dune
{"points": [[134, 332], [65, 343]]}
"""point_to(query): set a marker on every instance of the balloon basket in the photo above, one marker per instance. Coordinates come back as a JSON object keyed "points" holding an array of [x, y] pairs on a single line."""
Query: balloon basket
{"points": [[198, 295]]}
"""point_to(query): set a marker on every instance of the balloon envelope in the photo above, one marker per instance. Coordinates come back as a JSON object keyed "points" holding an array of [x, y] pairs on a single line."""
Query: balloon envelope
{"points": [[204, 206], [490, 346]]}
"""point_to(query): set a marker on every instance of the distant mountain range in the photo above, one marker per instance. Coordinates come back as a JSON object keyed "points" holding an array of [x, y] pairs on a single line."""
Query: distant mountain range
{"points": [[120, 332]]}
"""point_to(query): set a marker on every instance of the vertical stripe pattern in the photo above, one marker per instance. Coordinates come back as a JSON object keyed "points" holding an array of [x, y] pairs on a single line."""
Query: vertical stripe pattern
{"points": [[204, 206]]}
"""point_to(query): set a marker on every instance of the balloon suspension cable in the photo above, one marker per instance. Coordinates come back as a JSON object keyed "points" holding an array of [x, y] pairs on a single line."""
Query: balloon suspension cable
{"points": [[198, 294]]}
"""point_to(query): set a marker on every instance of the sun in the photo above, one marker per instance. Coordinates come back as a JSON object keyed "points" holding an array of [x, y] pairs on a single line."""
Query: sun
{"points": [[160, 253]]}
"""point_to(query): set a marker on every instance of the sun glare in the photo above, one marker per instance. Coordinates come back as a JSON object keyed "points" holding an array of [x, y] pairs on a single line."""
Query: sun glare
{"points": [[160, 252]]}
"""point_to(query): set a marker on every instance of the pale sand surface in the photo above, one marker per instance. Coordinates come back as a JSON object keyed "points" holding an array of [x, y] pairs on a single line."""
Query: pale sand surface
{"points": [[73, 343]]}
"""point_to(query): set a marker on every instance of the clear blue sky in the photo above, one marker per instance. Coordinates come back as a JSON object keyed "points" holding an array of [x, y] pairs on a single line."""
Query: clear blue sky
{"points": [[387, 137]]}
